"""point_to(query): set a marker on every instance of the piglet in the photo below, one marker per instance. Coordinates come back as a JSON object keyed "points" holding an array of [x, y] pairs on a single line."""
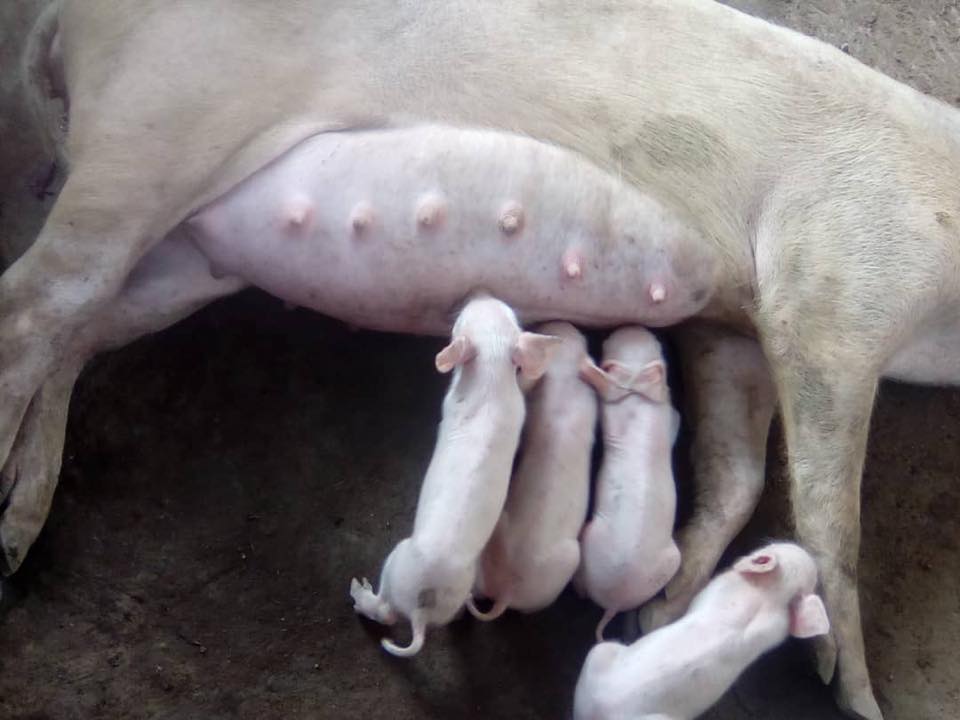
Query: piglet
{"points": [[680, 670], [428, 576], [627, 547], [534, 550]]}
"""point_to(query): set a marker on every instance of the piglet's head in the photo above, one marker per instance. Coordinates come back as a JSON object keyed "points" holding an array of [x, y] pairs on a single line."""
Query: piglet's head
{"points": [[789, 571], [632, 365], [487, 329], [614, 380], [531, 354]]}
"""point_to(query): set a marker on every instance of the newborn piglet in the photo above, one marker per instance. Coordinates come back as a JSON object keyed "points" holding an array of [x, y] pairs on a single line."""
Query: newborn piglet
{"points": [[680, 670], [628, 552], [428, 576], [534, 550]]}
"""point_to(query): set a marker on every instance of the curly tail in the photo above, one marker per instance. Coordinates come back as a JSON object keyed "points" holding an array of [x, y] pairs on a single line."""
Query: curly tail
{"points": [[499, 608], [41, 74], [604, 621], [415, 646]]}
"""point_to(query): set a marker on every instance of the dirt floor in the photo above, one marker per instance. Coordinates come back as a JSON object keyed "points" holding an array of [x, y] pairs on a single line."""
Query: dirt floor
{"points": [[224, 480]]}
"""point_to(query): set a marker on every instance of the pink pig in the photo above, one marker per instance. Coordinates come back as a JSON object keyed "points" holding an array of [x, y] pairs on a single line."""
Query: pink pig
{"points": [[534, 550], [428, 576], [628, 548], [680, 670]]}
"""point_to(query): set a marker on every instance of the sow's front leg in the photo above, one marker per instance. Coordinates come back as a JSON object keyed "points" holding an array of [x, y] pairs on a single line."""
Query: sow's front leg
{"points": [[826, 407], [826, 351], [170, 282]]}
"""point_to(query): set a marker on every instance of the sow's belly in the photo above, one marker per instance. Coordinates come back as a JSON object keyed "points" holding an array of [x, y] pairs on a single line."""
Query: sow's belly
{"points": [[392, 229]]}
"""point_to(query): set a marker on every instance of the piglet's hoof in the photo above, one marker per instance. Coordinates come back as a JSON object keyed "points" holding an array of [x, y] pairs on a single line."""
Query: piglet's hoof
{"points": [[360, 593]]}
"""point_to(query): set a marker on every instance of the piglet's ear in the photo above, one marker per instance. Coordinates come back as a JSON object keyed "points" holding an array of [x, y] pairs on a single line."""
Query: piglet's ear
{"points": [[526, 384], [649, 381], [459, 351], [533, 353], [614, 381], [808, 617], [602, 381], [759, 563]]}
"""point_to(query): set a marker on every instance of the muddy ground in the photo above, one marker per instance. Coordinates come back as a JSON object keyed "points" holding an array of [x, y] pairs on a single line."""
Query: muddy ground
{"points": [[225, 479]]}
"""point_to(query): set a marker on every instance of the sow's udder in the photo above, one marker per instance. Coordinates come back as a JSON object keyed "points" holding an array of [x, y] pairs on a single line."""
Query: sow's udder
{"points": [[390, 229]]}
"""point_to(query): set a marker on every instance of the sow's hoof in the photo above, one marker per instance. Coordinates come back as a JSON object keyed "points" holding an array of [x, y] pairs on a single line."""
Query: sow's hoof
{"points": [[9, 596]]}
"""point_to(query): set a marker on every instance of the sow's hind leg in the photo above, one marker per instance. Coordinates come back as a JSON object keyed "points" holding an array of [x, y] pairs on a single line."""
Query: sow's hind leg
{"points": [[730, 404], [143, 156], [170, 282]]}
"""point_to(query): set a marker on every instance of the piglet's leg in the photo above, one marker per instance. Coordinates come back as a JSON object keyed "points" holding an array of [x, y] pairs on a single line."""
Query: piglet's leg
{"points": [[367, 603], [730, 405]]}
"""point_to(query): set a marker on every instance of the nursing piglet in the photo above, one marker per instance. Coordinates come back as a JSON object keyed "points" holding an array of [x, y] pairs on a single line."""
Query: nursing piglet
{"points": [[534, 550], [627, 547], [428, 576], [679, 671]]}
